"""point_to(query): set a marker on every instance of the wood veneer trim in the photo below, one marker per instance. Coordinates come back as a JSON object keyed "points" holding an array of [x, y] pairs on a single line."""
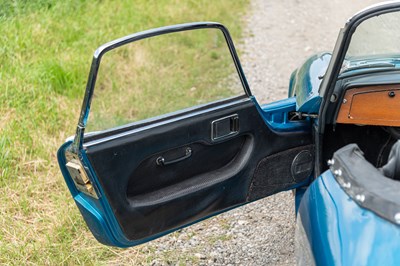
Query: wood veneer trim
{"points": [[371, 105]]}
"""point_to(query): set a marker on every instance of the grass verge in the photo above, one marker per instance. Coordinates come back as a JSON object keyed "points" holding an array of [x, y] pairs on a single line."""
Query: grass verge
{"points": [[45, 53]]}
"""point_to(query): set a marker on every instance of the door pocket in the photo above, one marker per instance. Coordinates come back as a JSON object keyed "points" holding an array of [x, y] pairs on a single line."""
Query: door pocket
{"points": [[151, 180]]}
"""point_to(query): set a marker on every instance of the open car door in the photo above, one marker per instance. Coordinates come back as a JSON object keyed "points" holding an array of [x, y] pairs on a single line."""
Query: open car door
{"points": [[134, 181]]}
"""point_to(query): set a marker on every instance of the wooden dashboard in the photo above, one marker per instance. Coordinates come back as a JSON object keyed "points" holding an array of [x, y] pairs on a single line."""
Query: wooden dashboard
{"points": [[371, 105]]}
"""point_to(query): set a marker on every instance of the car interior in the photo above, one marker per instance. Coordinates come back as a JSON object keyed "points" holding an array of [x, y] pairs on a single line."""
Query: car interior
{"points": [[367, 113], [362, 141]]}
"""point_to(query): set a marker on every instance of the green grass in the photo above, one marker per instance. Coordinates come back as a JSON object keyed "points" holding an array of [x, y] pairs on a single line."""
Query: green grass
{"points": [[45, 53]]}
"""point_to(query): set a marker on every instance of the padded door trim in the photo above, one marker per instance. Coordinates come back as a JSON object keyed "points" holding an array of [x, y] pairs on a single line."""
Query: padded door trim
{"points": [[115, 160]]}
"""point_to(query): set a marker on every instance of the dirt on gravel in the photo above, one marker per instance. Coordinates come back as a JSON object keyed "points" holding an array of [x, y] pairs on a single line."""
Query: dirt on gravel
{"points": [[280, 35]]}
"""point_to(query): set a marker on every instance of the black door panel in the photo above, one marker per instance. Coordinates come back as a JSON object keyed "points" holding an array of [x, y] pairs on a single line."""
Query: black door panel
{"points": [[148, 198]]}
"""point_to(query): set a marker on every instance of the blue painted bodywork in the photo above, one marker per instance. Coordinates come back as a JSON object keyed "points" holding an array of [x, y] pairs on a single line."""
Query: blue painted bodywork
{"points": [[275, 115], [305, 81], [340, 232]]}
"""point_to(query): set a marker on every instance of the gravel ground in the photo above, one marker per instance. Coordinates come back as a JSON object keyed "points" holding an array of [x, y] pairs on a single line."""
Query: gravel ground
{"points": [[280, 36]]}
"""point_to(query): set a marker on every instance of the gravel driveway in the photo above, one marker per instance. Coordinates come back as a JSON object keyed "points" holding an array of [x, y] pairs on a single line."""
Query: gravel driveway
{"points": [[281, 34]]}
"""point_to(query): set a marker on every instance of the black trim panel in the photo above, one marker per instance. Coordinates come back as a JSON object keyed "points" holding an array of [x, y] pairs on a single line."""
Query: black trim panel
{"points": [[216, 177]]}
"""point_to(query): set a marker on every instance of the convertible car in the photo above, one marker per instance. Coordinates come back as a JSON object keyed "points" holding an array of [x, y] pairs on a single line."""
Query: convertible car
{"points": [[203, 145]]}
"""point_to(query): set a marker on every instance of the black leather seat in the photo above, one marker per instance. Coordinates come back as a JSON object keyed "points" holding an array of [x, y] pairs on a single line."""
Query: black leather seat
{"points": [[392, 168]]}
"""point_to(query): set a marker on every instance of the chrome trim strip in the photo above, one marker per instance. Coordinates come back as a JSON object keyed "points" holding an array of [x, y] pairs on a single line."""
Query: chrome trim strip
{"points": [[373, 6]]}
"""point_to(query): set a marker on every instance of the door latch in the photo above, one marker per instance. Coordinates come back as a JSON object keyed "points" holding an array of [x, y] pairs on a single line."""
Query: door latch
{"points": [[79, 176], [296, 116]]}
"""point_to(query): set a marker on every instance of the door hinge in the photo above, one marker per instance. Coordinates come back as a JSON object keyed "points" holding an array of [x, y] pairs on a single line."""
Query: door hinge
{"points": [[296, 116], [79, 175]]}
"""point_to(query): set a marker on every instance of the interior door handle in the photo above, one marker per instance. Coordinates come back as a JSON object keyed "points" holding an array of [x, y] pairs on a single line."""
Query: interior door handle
{"points": [[161, 160], [225, 127]]}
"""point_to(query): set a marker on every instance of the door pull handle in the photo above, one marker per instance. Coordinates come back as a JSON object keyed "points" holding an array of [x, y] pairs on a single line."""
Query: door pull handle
{"points": [[161, 160]]}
